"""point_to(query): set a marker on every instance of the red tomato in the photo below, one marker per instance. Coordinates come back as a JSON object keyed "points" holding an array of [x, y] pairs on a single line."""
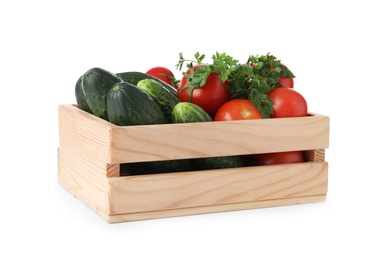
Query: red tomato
{"points": [[237, 109], [163, 74], [286, 82], [209, 97], [277, 158], [287, 103]]}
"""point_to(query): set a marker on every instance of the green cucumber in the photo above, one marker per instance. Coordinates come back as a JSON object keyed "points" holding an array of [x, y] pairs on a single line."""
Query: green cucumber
{"points": [[155, 167], [186, 112], [96, 84], [129, 105], [134, 77], [79, 95], [165, 99], [220, 162]]}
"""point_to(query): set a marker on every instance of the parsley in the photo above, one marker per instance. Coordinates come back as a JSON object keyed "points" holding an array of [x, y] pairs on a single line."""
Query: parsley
{"points": [[252, 80]]}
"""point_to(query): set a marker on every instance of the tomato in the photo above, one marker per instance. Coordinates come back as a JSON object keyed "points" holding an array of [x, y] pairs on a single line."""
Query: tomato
{"points": [[277, 158], [163, 74], [286, 82], [209, 97], [237, 109], [287, 102]]}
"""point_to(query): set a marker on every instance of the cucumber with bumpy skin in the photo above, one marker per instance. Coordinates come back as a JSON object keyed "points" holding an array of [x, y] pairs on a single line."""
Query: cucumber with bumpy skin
{"points": [[156, 167], [186, 112], [165, 99], [79, 95], [134, 77], [129, 105], [95, 85], [220, 162]]}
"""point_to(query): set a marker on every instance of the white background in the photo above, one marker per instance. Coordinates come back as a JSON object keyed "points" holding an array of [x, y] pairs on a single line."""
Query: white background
{"points": [[336, 50]]}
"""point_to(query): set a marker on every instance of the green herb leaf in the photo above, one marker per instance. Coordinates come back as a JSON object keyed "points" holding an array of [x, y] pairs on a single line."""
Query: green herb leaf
{"points": [[199, 58]]}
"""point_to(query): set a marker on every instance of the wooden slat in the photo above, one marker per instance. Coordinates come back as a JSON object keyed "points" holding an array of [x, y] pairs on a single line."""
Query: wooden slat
{"points": [[113, 144], [219, 187], [213, 209], [209, 139]]}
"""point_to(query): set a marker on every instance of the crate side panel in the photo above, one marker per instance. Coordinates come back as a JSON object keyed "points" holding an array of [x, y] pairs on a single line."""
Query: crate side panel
{"points": [[217, 187], [209, 139], [86, 131], [85, 178]]}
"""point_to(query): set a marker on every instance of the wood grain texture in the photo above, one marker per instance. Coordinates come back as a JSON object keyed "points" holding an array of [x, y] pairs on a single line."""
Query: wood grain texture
{"points": [[85, 131], [177, 141], [217, 187], [213, 209], [114, 144], [84, 177]]}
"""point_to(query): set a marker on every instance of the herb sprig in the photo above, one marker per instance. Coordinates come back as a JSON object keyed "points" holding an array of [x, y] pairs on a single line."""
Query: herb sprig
{"points": [[252, 80]]}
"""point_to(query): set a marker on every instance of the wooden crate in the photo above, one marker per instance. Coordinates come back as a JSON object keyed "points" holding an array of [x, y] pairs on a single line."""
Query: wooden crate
{"points": [[92, 149]]}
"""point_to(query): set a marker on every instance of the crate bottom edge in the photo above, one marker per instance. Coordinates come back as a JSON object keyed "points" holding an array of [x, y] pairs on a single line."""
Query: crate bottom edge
{"points": [[129, 217]]}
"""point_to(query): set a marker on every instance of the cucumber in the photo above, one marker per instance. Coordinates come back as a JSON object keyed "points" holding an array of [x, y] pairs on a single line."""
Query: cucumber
{"points": [[79, 95], [129, 105], [95, 85], [220, 162], [186, 112], [155, 167], [165, 99], [134, 77]]}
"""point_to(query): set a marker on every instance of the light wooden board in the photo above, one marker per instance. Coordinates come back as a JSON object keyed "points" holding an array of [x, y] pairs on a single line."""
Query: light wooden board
{"points": [[177, 141], [216, 187], [86, 131], [84, 178], [213, 209], [114, 144]]}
